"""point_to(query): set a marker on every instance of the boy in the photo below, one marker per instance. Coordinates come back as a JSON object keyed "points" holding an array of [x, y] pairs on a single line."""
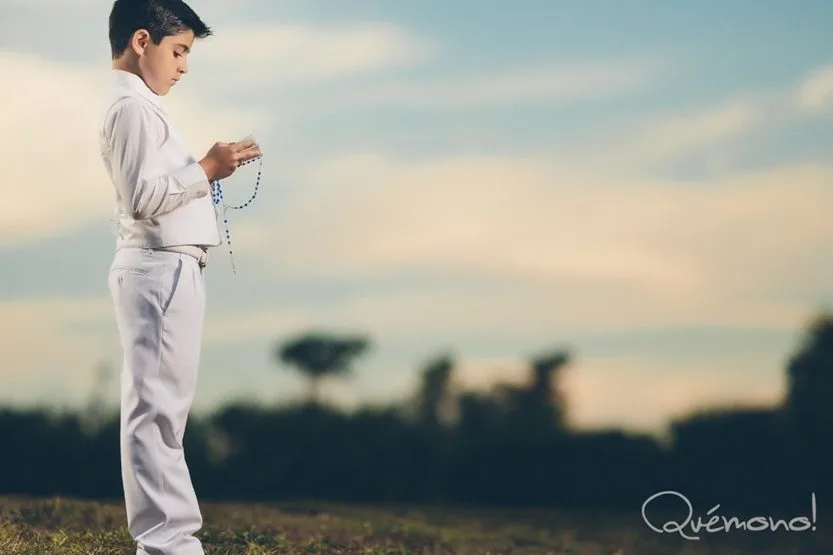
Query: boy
{"points": [[166, 221]]}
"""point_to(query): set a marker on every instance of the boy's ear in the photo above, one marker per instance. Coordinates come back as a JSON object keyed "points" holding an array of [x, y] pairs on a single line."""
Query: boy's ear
{"points": [[140, 41]]}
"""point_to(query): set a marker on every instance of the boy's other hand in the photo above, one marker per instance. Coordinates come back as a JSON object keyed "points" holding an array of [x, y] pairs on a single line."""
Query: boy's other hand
{"points": [[224, 158]]}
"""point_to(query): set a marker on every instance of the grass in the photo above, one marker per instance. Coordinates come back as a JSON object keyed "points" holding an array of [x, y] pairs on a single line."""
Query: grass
{"points": [[60, 526]]}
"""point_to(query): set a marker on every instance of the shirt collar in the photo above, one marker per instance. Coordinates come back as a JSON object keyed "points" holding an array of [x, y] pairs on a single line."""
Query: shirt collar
{"points": [[135, 83]]}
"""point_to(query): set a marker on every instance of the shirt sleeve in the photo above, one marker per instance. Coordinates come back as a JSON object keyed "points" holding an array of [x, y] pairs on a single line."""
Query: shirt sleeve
{"points": [[147, 188]]}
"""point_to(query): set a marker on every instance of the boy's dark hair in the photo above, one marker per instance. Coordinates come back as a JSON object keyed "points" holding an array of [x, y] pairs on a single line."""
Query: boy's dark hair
{"points": [[160, 18]]}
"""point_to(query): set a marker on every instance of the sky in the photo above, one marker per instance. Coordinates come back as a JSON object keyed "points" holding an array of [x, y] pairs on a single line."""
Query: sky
{"points": [[645, 183]]}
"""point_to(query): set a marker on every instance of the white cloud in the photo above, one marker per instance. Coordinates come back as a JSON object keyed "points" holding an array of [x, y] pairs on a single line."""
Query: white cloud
{"points": [[668, 138], [592, 250], [542, 84], [54, 178], [245, 58], [815, 93], [709, 132], [686, 132]]}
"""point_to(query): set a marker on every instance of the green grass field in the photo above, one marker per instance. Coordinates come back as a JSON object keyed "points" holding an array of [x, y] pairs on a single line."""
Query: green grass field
{"points": [[59, 526]]}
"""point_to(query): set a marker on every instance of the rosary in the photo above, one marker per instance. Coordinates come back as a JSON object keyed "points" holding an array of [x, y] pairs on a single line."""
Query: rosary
{"points": [[217, 193]]}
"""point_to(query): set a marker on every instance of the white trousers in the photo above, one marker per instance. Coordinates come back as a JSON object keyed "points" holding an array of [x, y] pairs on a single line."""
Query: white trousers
{"points": [[159, 300]]}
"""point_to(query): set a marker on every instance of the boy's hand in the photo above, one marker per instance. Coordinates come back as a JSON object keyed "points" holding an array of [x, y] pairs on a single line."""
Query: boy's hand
{"points": [[224, 158]]}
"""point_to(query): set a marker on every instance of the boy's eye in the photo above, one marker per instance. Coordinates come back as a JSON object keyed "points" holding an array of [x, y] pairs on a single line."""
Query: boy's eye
{"points": [[177, 54]]}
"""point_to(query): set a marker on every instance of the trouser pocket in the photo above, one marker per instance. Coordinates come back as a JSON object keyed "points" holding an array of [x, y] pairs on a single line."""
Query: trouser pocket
{"points": [[169, 282]]}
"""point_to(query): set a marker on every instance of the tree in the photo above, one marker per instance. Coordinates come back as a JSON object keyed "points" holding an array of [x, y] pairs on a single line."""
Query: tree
{"points": [[97, 412], [810, 382], [545, 390], [540, 406], [434, 391], [318, 355]]}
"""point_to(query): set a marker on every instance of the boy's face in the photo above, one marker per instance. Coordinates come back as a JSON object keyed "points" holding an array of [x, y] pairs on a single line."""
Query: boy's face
{"points": [[162, 65]]}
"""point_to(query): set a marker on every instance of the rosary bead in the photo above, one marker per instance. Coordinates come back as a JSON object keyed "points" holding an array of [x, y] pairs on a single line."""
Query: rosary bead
{"points": [[217, 194]]}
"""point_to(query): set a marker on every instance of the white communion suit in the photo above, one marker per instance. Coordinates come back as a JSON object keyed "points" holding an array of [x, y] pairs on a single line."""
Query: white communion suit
{"points": [[166, 222]]}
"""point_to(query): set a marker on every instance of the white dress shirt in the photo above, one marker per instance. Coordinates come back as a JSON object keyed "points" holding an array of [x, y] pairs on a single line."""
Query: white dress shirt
{"points": [[163, 197]]}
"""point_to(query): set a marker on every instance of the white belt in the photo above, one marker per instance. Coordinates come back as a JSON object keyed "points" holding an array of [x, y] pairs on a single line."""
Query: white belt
{"points": [[191, 250]]}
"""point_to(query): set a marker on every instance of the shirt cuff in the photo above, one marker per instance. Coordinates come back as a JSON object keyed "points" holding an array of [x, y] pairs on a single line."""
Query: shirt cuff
{"points": [[193, 180]]}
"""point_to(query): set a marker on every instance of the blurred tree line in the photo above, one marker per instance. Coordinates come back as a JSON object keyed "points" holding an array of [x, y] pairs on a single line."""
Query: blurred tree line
{"points": [[510, 446]]}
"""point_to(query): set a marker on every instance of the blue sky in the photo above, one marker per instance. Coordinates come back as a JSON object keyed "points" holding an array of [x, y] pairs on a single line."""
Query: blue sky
{"points": [[648, 187]]}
